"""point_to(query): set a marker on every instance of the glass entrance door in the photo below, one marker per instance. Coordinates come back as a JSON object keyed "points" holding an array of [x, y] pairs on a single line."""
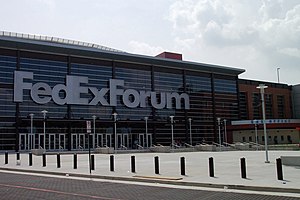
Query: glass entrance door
{"points": [[74, 142], [108, 140], [125, 140], [31, 140], [41, 141], [81, 144], [142, 140], [149, 140], [61, 141], [119, 140], [99, 140], [52, 142], [23, 142]]}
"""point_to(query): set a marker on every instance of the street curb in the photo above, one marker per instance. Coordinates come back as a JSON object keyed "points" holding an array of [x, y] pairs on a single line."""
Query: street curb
{"points": [[162, 181]]}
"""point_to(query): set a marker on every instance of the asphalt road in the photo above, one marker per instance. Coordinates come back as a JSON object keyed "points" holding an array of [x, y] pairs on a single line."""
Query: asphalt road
{"points": [[21, 186]]}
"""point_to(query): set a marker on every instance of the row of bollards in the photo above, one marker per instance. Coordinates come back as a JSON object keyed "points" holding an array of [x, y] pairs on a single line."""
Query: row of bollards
{"points": [[156, 164]]}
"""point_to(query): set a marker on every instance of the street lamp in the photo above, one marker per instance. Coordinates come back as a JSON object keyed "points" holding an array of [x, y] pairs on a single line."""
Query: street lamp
{"points": [[94, 126], [220, 141], [225, 132], [44, 114], [172, 139], [31, 131], [146, 132], [256, 135], [115, 127], [278, 74], [190, 123], [262, 88]]}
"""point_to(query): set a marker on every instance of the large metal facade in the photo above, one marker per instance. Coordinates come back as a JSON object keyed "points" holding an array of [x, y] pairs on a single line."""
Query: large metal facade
{"points": [[212, 91]]}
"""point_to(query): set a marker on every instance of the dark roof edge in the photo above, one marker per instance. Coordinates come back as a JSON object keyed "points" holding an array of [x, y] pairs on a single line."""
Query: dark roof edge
{"points": [[65, 49]]}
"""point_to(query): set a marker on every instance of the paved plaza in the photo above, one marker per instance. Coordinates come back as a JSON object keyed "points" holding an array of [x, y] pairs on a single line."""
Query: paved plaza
{"points": [[261, 176]]}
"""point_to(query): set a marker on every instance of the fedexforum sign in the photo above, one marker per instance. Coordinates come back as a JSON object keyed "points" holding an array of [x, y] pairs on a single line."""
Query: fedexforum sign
{"points": [[76, 87]]}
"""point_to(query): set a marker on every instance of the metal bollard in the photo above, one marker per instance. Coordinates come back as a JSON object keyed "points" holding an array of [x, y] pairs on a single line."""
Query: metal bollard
{"points": [[156, 164], [30, 159], [243, 168], [6, 157], [92, 162], [112, 167], [279, 169], [182, 166], [44, 160], [18, 155], [211, 167], [58, 160], [133, 164], [75, 161]]}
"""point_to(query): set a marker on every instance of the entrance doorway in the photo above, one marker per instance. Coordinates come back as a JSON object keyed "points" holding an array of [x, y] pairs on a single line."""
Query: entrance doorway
{"points": [[74, 142], [149, 140], [62, 141], [23, 142], [99, 140], [41, 141], [142, 140], [52, 142], [108, 139]]}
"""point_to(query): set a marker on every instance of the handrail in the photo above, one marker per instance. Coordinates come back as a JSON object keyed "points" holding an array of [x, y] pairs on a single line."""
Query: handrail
{"points": [[188, 145]]}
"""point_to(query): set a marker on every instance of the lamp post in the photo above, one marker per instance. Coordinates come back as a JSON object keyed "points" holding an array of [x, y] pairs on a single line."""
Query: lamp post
{"points": [[146, 132], [225, 131], [220, 141], [262, 88], [115, 127], [44, 114], [94, 127], [31, 131], [278, 74], [256, 135], [172, 136], [190, 123]]}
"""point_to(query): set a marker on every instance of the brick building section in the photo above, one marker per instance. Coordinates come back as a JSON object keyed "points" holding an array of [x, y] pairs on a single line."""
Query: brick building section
{"points": [[170, 55], [249, 87]]}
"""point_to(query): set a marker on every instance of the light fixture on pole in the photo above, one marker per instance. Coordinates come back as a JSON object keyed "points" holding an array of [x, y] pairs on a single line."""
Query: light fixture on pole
{"points": [[115, 127], [30, 138], [262, 88], [146, 132], [225, 132], [278, 74], [172, 134], [190, 123], [220, 141], [94, 126], [44, 115]]}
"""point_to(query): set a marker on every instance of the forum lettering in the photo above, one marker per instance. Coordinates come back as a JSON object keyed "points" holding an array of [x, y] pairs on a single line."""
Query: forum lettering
{"points": [[75, 88]]}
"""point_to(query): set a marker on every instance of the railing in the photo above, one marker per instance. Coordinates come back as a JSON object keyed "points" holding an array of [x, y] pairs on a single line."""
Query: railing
{"points": [[80, 147], [57, 40], [188, 145]]}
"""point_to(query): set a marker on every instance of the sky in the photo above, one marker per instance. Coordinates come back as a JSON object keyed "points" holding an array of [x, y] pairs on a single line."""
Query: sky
{"points": [[259, 36]]}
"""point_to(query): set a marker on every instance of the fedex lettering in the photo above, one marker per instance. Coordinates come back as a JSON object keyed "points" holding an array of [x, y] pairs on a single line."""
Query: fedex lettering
{"points": [[76, 87]]}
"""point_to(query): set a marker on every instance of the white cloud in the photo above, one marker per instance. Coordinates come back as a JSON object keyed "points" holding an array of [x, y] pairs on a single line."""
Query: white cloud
{"points": [[252, 34]]}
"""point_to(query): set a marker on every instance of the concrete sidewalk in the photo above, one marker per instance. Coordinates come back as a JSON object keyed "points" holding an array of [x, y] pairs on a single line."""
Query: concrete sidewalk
{"points": [[261, 176]]}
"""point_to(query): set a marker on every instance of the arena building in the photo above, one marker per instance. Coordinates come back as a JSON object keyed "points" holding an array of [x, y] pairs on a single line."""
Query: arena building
{"points": [[59, 94]]}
